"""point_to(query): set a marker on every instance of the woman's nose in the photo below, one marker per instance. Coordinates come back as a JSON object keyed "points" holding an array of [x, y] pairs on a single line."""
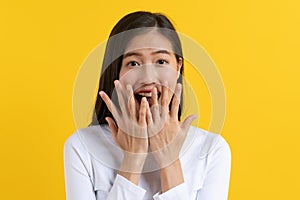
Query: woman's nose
{"points": [[148, 73]]}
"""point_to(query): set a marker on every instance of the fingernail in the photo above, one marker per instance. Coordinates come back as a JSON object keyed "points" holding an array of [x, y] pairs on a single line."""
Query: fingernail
{"points": [[179, 85], [116, 82], [128, 87], [106, 119]]}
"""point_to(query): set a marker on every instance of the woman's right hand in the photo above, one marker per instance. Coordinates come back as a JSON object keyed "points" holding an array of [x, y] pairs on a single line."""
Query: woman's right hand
{"points": [[130, 132]]}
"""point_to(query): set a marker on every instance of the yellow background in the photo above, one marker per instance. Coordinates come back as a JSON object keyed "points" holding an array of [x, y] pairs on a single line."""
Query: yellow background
{"points": [[255, 45]]}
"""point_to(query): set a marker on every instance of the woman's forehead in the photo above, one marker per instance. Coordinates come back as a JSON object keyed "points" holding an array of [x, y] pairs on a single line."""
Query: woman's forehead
{"points": [[150, 41]]}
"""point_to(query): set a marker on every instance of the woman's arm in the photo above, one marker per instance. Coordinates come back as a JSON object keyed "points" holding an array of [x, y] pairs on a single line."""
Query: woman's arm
{"points": [[167, 136], [172, 183], [216, 182], [168, 180], [79, 177]]}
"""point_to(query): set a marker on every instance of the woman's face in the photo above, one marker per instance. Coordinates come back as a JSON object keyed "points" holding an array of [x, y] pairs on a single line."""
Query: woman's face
{"points": [[149, 62]]}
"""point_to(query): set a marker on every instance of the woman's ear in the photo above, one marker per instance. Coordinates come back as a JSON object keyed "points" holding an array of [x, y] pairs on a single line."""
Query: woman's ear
{"points": [[179, 65]]}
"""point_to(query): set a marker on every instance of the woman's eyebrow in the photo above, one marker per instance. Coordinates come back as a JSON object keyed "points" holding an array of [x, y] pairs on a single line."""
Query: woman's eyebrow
{"points": [[133, 53], [161, 51]]}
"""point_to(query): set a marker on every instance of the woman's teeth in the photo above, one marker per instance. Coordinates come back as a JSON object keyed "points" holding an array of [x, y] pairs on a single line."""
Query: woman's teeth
{"points": [[148, 95]]}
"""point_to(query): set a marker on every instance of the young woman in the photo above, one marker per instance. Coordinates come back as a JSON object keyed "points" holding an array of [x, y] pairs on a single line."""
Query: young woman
{"points": [[133, 147]]}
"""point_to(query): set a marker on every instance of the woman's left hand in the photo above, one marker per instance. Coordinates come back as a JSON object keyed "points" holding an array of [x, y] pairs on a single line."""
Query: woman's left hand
{"points": [[166, 133]]}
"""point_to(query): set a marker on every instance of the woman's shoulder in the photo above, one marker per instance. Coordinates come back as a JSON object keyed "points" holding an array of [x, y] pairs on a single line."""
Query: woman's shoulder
{"points": [[78, 139], [202, 151], [94, 144], [207, 142]]}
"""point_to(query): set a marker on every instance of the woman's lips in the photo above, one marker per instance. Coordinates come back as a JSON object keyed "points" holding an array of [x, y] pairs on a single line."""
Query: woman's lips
{"points": [[145, 93]]}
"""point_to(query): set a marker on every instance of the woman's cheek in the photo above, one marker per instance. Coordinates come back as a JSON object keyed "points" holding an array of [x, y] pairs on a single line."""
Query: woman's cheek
{"points": [[129, 77], [170, 75]]}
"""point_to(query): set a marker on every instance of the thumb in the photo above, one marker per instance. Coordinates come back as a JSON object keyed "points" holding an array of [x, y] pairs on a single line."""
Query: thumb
{"points": [[113, 127], [187, 122]]}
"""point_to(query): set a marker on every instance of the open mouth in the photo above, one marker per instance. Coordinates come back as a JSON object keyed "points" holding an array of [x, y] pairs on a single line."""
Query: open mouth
{"points": [[148, 95]]}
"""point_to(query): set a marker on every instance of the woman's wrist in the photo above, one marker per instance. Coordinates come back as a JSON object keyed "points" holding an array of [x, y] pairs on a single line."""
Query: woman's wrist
{"points": [[133, 162], [168, 180], [132, 177], [132, 166]]}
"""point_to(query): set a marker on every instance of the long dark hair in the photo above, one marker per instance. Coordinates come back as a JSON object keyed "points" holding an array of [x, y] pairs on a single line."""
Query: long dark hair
{"points": [[115, 47]]}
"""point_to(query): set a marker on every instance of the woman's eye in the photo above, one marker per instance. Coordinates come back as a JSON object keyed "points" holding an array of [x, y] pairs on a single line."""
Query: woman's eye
{"points": [[161, 62], [133, 63]]}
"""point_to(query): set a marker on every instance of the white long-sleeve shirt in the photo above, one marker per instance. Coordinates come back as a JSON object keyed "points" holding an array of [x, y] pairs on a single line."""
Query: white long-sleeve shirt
{"points": [[91, 160]]}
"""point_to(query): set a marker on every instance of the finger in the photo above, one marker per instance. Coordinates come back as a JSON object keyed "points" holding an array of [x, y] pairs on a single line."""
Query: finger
{"points": [[155, 106], [113, 127], [176, 101], [131, 102], [142, 112], [164, 111], [110, 105], [121, 99], [187, 122], [154, 96], [164, 100], [148, 116]]}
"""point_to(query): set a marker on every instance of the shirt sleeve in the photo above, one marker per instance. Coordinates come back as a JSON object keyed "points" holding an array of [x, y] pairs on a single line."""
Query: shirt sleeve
{"points": [[79, 178], [123, 189], [178, 192], [216, 181]]}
